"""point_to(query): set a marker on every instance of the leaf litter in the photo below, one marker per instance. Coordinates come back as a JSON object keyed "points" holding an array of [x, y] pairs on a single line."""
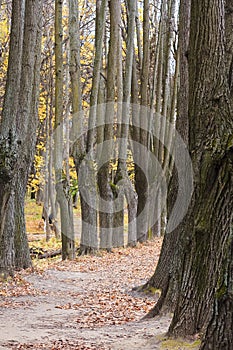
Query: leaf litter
{"points": [[94, 297]]}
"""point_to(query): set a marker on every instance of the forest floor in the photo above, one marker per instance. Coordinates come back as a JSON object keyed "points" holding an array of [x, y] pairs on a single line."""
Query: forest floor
{"points": [[86, 304]]}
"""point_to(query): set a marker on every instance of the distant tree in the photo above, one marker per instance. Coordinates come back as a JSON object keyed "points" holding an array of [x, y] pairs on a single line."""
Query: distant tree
{"points": [[62, 185], [164, 277], [87, 177], [126, 186], [141, 180], [106, 154]]}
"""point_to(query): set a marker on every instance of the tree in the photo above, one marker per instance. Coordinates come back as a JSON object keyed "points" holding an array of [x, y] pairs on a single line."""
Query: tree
{"points": [[18, 131], [106, 217], [62, 186], [87, 179], [141, 181], [210, 140], [203, 270], [122, 176], [165, 277]]}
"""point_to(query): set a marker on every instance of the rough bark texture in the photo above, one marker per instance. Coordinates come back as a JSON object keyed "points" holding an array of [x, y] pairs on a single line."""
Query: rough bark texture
{"points": [[17, 136], [206, 236], [22, 256], [219, 333], [8, 145]]}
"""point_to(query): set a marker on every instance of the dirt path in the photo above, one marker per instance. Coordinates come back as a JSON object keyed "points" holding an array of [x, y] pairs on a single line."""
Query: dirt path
{"points": [[87, 304]]}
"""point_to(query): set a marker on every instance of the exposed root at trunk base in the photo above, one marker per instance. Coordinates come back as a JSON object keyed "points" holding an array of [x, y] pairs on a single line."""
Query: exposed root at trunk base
{"points": [[84, 250], [160, 305], [132, 245]]}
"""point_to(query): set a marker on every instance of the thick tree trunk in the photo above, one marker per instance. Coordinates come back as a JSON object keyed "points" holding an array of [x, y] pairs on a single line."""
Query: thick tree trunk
{"points": [[22, 83], [22, 255], [207, 232], [88, 197], [219, 333], [8, 145]]}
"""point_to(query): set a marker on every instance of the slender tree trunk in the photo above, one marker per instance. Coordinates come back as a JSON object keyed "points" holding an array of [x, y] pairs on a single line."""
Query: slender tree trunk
{"points": [[122, 177], [62, 188], [164, 277], [106, 194], [141, 173], [118, 220], [87, 180]]}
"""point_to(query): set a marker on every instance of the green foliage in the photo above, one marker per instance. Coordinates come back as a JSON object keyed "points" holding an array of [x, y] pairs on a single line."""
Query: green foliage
{"points": [[53, 244], [179, 344]]}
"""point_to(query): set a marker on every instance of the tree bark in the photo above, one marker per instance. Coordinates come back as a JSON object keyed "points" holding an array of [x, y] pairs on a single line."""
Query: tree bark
{"points": [[87, 183], [122, 177], [209, 218], [8, 145], [105, 190], [62, 188], [219, 333], [169, 263], [22, 84], [141, 172]]}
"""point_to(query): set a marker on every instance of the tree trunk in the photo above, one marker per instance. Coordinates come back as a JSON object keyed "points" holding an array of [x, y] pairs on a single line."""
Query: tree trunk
{"points": [[8, 146], [219, 333], [22, 83], [123, 182], [209, 218], [141, 172], [106, 194], [62, 188], [22, 256], [87, 186], [164, 277], [118, 219]]}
